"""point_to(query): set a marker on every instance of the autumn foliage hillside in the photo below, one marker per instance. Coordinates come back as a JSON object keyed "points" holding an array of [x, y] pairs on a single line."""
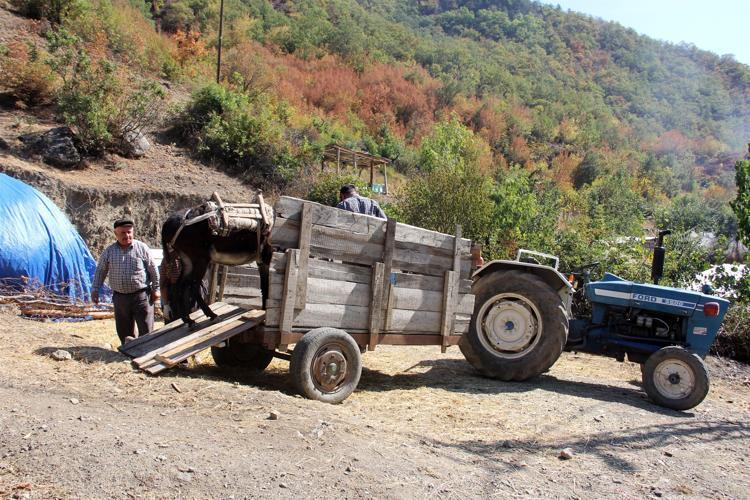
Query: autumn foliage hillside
{"points": [[530, 126]]}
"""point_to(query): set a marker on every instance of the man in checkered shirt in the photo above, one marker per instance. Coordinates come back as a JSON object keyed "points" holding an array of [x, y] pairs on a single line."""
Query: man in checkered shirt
{"points": [[133, 278]]}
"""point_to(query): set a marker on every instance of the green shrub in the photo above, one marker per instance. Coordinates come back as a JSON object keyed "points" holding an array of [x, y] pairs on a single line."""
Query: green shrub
{"points": [[733, 340], [55, 11], [246, 134], [26, 75], [97, 98]]}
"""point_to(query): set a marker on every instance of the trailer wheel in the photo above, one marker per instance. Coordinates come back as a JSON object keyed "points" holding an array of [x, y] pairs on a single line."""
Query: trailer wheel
{"points": [[675, 378], [326, 365], [519, 326], [237, 354]]}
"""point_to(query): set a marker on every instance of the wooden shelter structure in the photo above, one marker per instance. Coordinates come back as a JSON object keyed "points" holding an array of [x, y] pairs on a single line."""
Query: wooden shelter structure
{"points": [[359, 160]]}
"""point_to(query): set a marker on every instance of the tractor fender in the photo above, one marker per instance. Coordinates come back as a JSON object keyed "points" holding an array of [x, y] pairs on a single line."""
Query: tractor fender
{"points": [[549, 275]]}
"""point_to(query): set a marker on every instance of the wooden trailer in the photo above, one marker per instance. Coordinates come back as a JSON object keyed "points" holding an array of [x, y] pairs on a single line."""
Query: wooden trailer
{"points": [[340, 284]]}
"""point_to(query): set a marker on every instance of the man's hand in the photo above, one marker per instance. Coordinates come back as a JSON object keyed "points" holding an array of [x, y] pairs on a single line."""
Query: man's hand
{"points": [[95, 297], [155, 296]]}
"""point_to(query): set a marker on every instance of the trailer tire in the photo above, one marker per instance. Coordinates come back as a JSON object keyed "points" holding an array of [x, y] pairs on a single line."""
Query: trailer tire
{"points": [[519, 326], [326, 365], [675, 378], [237, 354]]}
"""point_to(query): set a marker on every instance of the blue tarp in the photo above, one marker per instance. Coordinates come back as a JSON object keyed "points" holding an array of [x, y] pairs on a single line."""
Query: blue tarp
{"points": [[37, 241]]}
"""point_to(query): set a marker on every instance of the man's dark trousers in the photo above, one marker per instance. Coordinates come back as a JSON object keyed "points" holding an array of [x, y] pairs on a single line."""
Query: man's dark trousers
{"points": [[132, 309]]}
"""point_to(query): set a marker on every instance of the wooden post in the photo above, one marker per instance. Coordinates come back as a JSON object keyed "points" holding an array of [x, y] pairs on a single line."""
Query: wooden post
{"points": [[372, 174], [223, 281], [338, 161], [288, 298], [263, 214], [450, 291], [376, 308], [385, 177], [390, 239], [305, 230], [214, 269]]}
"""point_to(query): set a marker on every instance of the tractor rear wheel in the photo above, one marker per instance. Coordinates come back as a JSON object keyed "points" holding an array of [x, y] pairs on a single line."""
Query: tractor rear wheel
{"points": [[326, 365], [236, 354], [675, 378], [519, 326]]}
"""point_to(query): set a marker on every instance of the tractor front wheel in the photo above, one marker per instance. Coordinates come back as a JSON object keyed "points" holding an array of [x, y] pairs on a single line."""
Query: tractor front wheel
{"points": [[675, 378], [519, 326]]}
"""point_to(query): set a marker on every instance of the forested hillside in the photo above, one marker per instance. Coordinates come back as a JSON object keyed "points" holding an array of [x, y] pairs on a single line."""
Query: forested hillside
{"points": [[528, 125]]}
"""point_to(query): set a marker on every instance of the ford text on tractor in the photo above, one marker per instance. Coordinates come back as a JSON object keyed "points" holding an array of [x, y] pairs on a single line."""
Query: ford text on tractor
{"points": [[527, 313]]}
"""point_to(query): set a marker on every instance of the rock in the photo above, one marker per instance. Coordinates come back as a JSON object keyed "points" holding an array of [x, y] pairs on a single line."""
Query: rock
{"points": [[134, 144], [4, 144], [566, 454], [274, 415], [668, 454], [185, 477], [283, 485], [139, 451], [185, 469], [56, 146], [161, 458], [74, 401], [61, 355]]}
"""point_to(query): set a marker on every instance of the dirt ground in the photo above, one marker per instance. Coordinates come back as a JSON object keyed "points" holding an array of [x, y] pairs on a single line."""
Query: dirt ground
{"points": [[420, 425]]}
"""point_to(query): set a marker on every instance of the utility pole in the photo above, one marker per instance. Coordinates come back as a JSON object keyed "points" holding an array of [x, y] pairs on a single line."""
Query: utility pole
{"points": [[221, 29]]}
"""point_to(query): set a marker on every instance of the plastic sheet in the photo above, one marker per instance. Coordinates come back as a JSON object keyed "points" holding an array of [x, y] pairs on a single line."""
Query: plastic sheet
{"points": [[38, 241]]}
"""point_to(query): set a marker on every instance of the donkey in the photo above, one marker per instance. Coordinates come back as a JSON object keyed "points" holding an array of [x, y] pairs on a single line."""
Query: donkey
{"points": [[198, 240]]}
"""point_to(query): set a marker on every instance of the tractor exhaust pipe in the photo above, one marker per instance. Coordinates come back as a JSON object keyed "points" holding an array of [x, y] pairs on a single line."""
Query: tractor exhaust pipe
{"points": [[657, 265]]}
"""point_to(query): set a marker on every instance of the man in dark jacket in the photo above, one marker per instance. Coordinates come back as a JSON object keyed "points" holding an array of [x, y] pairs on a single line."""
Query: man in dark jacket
{"points": [[353, 202]]}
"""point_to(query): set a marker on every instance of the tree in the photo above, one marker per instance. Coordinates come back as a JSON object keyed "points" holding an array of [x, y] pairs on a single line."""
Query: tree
{"points": [[452, 190], [741, 204]]}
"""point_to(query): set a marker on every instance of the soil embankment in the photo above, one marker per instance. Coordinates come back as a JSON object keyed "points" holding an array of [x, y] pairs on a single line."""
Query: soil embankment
{"points": [[147, 189]]}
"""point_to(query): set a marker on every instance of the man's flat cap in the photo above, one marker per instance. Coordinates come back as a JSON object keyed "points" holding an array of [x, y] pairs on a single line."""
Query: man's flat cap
{"points": [[123, 222]]}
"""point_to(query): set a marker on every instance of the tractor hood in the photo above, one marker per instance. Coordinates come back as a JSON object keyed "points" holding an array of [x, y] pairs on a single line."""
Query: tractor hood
{"points": [[616, 291]]}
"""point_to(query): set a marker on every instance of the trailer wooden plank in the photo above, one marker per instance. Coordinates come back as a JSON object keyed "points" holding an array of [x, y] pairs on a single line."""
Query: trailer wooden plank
{"points": [[198, 341], [357, 318], [429, 283], [164, 344], [329, 243], [324, 291], [291, 208], [242, 281], [173, 354], [172, 331], [271, 338]]}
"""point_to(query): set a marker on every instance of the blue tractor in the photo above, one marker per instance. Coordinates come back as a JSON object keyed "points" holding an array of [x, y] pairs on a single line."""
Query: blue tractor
{"points": [[527, 313]]}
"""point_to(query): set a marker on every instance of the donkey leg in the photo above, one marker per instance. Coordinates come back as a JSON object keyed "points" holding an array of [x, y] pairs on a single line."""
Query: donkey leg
{"points": [[182, 301], [202, 303]]}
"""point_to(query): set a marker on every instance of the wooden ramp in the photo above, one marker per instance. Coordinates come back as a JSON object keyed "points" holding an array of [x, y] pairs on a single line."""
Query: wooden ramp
{"points": [[168, 346]]}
